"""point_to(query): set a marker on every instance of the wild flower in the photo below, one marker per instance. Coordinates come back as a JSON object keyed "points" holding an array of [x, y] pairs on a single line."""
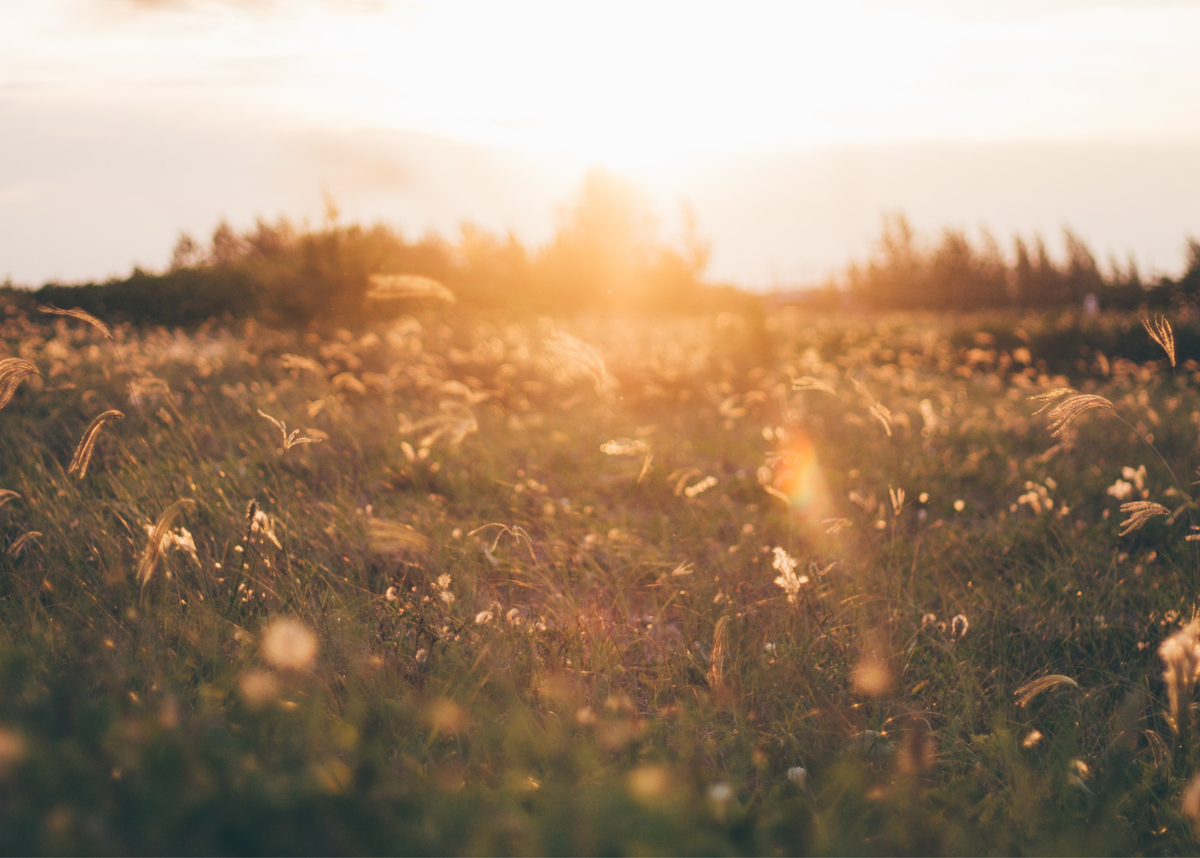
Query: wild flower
{"points": [[960, 505], [264, 524], [87, 444], [798, 775], [1032, 738], [1180, 654], [154, 544], [788, 580], [258, 688], [1120, 489], [483, 618], [288, 644], [959, 626], [179, 539]]}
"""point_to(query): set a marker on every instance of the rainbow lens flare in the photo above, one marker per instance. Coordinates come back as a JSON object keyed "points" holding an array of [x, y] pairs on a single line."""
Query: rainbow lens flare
{"points": [[798, 475]]}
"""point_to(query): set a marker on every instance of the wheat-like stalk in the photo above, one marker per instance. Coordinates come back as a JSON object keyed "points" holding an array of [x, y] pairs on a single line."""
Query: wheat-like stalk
{"points": [[716, 673], [154, 544], [1032, 689], [1139, 513], [87, 444], [21, 541], [6, 495], [81, 315], [1070, 408], [12, 372], [1160, 331]]}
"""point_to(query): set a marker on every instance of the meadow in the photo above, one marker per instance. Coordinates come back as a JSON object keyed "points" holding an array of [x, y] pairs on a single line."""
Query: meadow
{"points": [[466, 582]]}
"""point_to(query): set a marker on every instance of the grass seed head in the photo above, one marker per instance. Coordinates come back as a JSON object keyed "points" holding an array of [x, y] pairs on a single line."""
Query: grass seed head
{"points": [[1160, 331], [1139, 513], [82, 316], [1030, 690], [1071, 407], [12, 372], [153, 551], [87, 444]]}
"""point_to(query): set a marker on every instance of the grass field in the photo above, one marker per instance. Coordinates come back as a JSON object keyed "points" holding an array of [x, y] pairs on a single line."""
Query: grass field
{"points": [[606, 586]]}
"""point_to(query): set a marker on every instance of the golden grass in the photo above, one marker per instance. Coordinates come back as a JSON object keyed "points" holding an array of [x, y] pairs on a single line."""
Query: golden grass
{"points": [[12, 372], [152, 553], [87, 444]]}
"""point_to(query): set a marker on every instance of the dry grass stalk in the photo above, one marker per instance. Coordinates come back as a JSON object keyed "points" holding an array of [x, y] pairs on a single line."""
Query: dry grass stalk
{"points": [[12, 372], [883, 415], [716, 672], [834, 525], [393, 537], [809, 383], [1180, 654], [897, 498], [456, 421], [1160, 331], [1139, 513], [1067, 410], [390, 287], [81, 316], [289, 440], [574, 357], [1047, 397], [87, 444], [1030, 690], [21, 541], [6, 495], [152, 553]]}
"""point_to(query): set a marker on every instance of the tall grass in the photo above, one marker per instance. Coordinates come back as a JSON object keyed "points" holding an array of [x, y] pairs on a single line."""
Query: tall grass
{"points": [[493, 612]]}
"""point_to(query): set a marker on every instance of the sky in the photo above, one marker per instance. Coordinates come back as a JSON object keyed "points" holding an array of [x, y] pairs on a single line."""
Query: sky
{"points": [[789, 129]]}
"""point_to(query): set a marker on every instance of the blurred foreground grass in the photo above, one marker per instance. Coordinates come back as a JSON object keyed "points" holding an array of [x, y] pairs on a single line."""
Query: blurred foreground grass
{"points": [[512, 588]]}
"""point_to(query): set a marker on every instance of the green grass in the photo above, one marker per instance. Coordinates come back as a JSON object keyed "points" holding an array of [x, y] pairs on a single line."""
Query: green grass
{"points": [[585, 716]]}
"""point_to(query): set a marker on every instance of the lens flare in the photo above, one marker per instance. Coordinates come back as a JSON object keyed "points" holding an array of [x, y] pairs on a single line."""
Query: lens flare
{"points": [[798, 475]]}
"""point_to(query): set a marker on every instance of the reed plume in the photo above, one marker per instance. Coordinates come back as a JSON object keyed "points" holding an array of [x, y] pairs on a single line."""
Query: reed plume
{"points": [[574, 357], [81, 315], [152, 553], [87, 444], [12, 372], [1160, 331], [1071, 407]]}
